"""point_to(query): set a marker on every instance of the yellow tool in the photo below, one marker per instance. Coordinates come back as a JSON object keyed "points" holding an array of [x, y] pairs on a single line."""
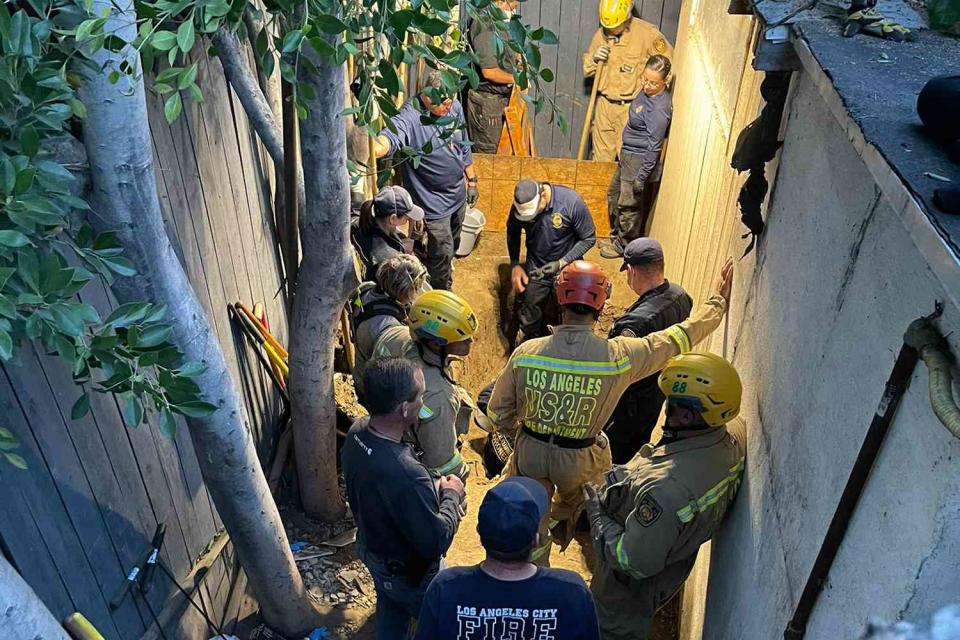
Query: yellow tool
{"points": [[80, 628]]}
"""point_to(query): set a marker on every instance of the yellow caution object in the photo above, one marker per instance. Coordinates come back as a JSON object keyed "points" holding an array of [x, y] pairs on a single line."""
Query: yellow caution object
{"points": [[80, 628]]}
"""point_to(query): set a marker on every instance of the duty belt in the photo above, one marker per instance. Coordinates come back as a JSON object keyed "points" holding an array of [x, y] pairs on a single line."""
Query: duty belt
{"points": [[560, 441], [616, 101]]}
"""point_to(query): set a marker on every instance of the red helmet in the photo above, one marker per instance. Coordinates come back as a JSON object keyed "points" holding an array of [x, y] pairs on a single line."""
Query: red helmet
{"points": [[583, 282]]}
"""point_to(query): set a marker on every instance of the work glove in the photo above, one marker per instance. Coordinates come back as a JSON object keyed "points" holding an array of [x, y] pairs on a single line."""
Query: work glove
{"points": [[591, 506], [873, 23], [602, 54], [472, 194], [551, 269]]}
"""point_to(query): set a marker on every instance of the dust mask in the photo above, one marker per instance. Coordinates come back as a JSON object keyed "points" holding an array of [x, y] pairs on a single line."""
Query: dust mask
{"points": [[526, 211]]}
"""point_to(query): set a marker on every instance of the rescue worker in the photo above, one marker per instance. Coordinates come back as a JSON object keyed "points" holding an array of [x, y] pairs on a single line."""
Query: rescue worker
{"points": [[377, 307], [623, 44], [650, 112], [486, 103], [442, 325], [443, 183], [652, 514], [558, 230], [561, 390], [661, 304], [376, 234], [406, 519]]}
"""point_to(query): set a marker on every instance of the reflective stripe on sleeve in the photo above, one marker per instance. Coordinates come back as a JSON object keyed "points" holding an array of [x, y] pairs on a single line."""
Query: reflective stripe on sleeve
{"points": [[450, 466], [716, 492], [678, 335], [600, 368]]}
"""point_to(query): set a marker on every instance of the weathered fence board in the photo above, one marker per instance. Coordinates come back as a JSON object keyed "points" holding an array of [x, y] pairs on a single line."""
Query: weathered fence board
{"points": [[85, 509]]}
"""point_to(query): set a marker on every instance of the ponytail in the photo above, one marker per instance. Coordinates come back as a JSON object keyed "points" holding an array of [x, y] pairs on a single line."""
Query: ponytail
{"points": [[366, 217]]}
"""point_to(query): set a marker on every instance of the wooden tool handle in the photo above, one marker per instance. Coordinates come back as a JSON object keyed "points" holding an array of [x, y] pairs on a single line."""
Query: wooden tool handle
{"points": [[587, 120]]}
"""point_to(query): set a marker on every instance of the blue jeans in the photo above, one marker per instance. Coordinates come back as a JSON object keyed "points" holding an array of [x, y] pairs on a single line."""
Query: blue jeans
{"points": [[398, 602]]}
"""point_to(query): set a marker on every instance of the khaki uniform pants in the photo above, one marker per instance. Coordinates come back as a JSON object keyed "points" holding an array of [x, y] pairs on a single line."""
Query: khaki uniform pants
{"points": [[562, 472], [609, 120]]}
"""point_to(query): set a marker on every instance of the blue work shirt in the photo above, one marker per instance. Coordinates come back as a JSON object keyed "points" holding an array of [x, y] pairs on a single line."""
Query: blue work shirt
{"points": [[437, 184], [564, 230], [646, 128]]}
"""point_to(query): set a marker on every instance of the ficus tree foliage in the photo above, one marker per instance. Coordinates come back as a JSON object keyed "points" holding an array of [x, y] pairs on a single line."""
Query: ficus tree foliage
{"points": [[48, 255]]}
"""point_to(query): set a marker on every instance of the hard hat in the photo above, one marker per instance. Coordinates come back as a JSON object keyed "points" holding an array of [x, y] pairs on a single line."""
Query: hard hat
{"points": [[703, 382], [442, 316], [614, 13], [583, 282]]}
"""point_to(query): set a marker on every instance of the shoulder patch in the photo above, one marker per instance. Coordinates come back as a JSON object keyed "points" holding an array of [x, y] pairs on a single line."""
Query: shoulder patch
{"points": [[628, 333], [647, 511], [425, 413], [660, 45]]}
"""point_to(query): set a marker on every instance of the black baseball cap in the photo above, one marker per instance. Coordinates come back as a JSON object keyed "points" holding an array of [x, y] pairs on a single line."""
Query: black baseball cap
{"points": [[641, 251], [396, 200], [510, 514]]}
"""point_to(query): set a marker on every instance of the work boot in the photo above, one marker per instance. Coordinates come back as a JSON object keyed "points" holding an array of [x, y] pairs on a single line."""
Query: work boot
{"points": [[873, 23], [611, 250]]}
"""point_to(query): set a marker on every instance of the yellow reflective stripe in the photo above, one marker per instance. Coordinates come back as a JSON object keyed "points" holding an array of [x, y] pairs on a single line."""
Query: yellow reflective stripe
{"points": [[678, 335], [425, 413], [622, 558], [711, 497], [600, 368], [454, 463]]}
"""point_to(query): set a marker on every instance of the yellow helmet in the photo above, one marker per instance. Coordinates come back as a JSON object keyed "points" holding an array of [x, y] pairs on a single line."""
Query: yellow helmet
{"points": [[705, 383], [614, 13], [442, 316]]}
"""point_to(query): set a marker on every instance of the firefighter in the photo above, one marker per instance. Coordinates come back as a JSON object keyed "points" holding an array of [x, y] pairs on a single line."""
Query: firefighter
{"points": [[623, 44], [486, 103], [375, 307], [560, 390], [652, 514], [659, 305], [558, 230], [441, 326]]}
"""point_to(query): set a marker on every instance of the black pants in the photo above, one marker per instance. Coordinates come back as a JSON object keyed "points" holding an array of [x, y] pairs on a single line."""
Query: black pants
{"points": [[485, 119], [443, 238], [627, 207], [634, 419], [537, 307]]}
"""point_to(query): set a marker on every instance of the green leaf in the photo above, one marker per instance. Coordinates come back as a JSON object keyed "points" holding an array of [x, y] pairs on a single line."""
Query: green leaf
{"points": [[171, 111], [161, 88], [192, 370], [433, 27], [6, 345], [11, 238], [7, 440], [132, 409], [81, 407], [153, 336], [329, 24], [78, 108], [291, 41], [163, 40], [168, 75], [187, 77], [127, 314], [68, 320], [29, 141], [28, 268], [16, 460], [168, 424], [549, 37], [195, 94], [119, 265], [24, 181], [186, 36], [195, 409], [5, 273], [546, 74]]}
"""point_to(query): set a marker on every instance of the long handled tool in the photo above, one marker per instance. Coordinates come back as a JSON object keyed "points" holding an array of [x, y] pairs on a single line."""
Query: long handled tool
{"points": [[588, 119]]}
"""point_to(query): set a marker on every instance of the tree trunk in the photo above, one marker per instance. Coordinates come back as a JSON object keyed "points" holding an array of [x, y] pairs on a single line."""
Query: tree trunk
{"points": [[23, 616], [261, 116], [117, 137], [326, 278]]}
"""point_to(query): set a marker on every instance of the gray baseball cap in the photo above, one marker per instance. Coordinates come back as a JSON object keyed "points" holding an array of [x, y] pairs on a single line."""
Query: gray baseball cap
{"points": [[395, 200]]}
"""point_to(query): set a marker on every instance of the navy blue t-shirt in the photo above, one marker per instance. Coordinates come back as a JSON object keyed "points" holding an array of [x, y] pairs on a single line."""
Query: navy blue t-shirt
{"points": [[563, 230], [465, 603], [437, 184]]}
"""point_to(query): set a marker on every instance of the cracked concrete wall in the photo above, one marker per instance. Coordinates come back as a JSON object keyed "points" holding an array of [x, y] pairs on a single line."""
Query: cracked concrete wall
{"points": [[818, 316]]}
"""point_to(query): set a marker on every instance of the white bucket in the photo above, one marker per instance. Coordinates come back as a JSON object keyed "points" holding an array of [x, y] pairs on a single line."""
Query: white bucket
{"points": [[473, 223]]}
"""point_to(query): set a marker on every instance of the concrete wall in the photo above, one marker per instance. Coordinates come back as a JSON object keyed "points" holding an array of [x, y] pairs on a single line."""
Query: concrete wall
{"points": [[818, 316]]}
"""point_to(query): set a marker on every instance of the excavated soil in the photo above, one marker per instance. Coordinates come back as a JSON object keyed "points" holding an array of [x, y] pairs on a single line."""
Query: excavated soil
{"points": [[483, 279]]}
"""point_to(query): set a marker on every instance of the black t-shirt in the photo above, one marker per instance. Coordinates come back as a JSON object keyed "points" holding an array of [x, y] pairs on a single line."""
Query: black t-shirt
{"points": [[481, 39], [466, 603], [400, 518]]}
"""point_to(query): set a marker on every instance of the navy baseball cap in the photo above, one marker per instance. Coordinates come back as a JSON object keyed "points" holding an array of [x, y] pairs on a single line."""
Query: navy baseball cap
{"points": [[510, 514], [641, 251], [396, 200]]}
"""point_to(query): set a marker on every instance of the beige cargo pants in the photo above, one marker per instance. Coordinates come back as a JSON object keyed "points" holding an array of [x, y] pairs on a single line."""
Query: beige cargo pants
{"points": [[609, 120], [563, 472]]}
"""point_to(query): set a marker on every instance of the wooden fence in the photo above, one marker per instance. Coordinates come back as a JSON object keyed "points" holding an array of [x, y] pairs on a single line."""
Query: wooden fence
{"points": [[79, 517], [575, 22]]}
